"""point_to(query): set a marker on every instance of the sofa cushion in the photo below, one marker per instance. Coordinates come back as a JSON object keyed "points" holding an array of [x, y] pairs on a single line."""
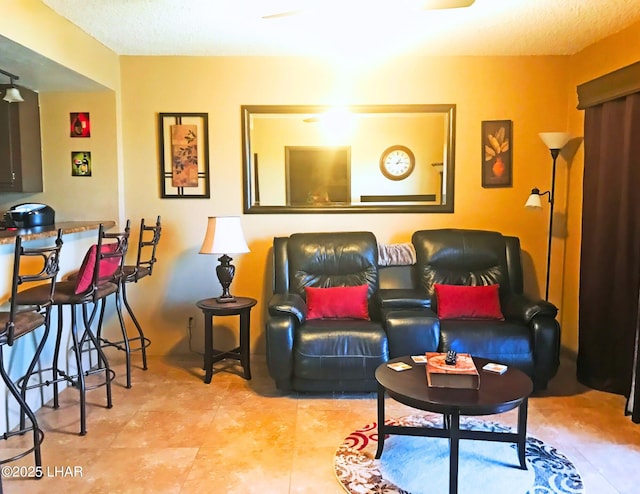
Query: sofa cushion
{"points": [[468, 302], [505, 342], [340, 302], [339, 350]]}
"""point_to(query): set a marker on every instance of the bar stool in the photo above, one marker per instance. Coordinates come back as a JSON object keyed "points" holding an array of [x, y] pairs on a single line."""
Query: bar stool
{"points": [[21, 320], [145, 260], [99, 276]]}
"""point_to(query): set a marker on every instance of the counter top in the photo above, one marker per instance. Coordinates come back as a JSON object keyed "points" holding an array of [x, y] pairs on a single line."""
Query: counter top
{"points": [[8, 236]]}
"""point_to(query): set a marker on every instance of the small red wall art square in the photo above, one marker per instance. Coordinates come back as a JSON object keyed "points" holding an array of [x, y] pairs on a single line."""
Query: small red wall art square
{"points": [[80, 125]]}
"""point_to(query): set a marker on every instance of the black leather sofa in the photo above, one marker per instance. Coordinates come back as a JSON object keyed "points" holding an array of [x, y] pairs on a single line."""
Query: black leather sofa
{"points": [[342, 354]]}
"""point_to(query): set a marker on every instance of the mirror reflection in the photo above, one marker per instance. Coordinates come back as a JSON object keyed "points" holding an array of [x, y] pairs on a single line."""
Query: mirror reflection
{"points": [[389, 158]]}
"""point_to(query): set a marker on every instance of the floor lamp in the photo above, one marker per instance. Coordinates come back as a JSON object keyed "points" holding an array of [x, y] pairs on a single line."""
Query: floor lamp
{"points": [[555, 141]]}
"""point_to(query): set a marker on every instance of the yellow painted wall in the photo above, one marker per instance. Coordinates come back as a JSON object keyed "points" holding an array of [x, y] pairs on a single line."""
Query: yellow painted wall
{"points": [[521, 89]]}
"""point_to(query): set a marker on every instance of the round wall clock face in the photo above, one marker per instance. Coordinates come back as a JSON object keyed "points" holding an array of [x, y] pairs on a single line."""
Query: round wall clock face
{"points": [[397, 162]]}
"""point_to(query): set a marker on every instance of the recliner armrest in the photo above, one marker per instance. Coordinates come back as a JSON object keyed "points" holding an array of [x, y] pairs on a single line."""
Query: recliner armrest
{"points": [[279, 333], [290, 304], [523, 308]]}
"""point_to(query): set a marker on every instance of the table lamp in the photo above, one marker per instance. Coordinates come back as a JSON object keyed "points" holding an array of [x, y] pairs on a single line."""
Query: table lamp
{"points": [[224, 236]]}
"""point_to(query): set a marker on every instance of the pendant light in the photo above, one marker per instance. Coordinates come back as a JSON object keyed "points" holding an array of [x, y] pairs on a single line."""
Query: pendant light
{"points": [[13, 94]]}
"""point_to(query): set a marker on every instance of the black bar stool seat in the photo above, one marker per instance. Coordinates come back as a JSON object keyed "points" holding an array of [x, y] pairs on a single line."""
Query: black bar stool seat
{"points": [[24, 323], [65, 293], [134, 273]]}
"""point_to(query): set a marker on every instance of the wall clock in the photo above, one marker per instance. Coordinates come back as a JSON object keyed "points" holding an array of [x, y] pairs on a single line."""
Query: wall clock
{"points": [[397, 162]]}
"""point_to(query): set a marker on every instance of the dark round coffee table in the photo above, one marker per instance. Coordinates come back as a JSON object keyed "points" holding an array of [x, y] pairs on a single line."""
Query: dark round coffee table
{"points": [[497, 394]]}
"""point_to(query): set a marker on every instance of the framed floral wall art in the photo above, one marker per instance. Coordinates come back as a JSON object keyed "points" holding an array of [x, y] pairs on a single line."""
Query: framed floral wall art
{"points": [[184, 155], [497, 170]]}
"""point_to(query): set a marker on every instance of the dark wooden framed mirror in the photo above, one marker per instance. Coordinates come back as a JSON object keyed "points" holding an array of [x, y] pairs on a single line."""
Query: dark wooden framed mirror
{"points": [[321, 159]]}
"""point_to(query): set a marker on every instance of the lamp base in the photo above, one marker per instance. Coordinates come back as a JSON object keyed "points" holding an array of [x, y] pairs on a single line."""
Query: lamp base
{"points": [[225, 271]]}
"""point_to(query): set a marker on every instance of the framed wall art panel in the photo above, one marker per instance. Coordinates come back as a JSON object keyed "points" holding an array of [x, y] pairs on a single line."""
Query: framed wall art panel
{"points": [[497, 170], [79, 125], [184, 155], [81, 163]]}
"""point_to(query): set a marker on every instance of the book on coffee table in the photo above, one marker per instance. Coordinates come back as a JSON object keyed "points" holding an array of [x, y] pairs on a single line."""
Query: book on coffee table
{"points": [[462, 375]]}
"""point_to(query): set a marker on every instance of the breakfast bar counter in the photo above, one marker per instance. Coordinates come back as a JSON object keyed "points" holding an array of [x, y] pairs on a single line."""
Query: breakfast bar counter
{"points": [[8, 236]]}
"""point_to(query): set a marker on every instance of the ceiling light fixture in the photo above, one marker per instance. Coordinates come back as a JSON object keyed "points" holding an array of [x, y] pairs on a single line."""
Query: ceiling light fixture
{"points": [[13, 94]]}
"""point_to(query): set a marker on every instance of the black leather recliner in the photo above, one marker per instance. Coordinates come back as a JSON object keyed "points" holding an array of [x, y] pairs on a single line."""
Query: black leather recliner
{"points": [[529, 336], [323, 354]]}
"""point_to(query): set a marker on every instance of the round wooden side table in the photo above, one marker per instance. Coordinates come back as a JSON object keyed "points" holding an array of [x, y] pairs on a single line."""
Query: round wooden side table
{"points": [[241, 307]]}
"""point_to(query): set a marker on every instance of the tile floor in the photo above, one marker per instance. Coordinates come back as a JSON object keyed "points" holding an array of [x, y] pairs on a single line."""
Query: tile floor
{"points": [[171, 433]]}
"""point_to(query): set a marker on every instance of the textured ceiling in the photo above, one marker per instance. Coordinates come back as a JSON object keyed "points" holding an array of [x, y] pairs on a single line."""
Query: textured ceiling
{"points": [[355, 29], [327, 27]]}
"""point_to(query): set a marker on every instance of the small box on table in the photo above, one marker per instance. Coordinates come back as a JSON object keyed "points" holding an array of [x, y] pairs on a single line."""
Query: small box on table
{"points": [[462, 375]]}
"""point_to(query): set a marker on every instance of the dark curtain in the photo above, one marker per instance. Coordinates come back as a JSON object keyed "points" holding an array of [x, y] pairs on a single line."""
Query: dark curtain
{"points": [[610, 252]]}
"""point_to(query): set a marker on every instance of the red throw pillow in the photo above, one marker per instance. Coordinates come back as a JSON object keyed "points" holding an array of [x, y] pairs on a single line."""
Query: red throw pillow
{"points": [[340, 302], [468, 302], [108, 266]]}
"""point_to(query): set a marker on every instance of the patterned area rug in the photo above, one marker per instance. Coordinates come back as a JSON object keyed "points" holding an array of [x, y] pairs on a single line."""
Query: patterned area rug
{"points": [[416, 465]]}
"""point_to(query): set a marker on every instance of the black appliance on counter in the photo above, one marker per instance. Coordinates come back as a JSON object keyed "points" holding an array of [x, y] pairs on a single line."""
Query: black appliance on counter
{"points": [[29, 215]]}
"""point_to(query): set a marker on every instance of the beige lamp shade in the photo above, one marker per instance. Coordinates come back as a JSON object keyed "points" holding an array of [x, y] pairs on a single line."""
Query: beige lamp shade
{"points": [[534, 201], [13, 96], [224, 236], [555, 140]]}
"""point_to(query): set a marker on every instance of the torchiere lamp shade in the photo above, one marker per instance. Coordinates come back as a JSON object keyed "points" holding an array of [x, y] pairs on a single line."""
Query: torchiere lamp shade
{"points": [[224, 236], [555, 140]]}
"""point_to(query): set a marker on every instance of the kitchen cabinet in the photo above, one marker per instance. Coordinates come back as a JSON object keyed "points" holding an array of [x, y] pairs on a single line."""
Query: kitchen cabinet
{"points": [[20, 149]]}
